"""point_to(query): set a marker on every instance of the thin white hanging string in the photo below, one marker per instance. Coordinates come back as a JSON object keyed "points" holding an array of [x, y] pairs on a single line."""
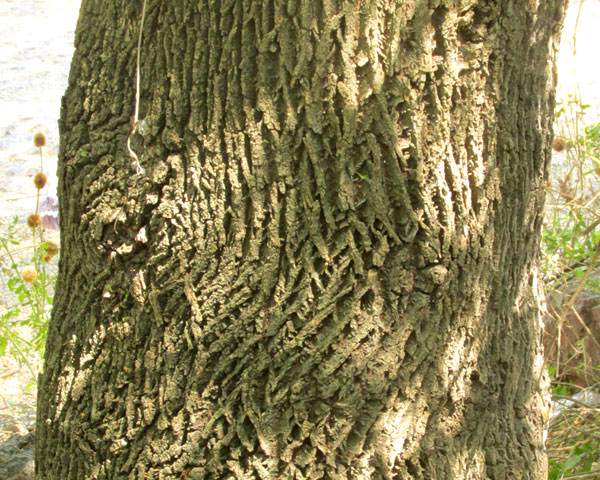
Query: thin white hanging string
{"points": [[139, 169]]}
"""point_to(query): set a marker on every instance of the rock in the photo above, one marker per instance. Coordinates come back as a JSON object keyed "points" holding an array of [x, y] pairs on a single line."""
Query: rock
{"points": [[17, 458], [580, 334], [585, 398], [17, 427]]}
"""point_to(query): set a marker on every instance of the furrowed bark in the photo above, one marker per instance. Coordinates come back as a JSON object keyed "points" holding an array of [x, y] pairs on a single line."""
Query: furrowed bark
{"points": [[327, 269]]}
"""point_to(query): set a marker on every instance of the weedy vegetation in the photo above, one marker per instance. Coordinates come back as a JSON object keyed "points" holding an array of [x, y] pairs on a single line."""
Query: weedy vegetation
{"points": [[26, 272]]}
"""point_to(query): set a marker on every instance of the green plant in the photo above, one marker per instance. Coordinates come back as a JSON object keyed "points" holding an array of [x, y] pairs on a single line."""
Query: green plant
{"points": [[25, 273], [570, 259], [574, 436], [32, 298], [567, 250]]}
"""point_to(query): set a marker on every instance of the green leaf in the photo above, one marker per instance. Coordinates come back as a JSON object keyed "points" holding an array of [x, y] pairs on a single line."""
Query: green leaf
{"points": [[571, 462]]}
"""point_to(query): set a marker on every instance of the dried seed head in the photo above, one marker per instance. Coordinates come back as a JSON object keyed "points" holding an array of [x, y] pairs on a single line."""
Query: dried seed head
{"points": [[40, 180], [29, 274], [559, 144], [34, 220], [52, 248], [39, 139]]}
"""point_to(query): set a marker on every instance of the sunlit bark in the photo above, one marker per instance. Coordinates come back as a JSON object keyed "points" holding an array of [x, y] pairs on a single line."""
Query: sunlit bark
{"points": [[327, 268]]}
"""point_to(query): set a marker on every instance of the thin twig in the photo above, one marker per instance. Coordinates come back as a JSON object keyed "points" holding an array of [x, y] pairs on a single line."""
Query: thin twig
{"points": [[575, 29], [594, 224], [574, 400], [585, 327], [581, 476]]}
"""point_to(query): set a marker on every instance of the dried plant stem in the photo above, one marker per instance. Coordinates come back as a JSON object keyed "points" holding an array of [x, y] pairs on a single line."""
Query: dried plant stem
{"points": [[39, 266], [585, 327], [575, 29], [594, 224], [576, 401], [593, 474]]}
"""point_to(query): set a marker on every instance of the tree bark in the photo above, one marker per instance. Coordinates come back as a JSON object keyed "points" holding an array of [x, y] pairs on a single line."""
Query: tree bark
{"points": [[327, 268]]}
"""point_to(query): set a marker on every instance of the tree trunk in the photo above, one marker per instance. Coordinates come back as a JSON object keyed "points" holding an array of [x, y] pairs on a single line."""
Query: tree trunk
{"points": [[327, 268]]}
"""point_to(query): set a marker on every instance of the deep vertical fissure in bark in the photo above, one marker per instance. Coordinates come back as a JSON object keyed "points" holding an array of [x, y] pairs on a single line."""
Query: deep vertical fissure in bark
{"points": [[327, 270]]}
